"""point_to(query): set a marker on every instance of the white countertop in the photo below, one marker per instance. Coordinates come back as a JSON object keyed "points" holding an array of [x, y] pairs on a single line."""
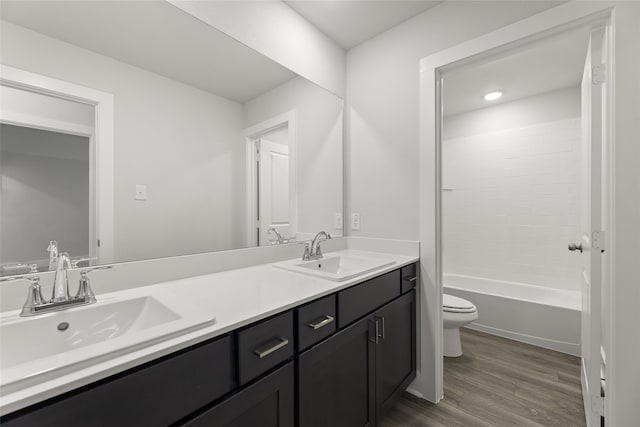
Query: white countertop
{"points": [[235, 298]]}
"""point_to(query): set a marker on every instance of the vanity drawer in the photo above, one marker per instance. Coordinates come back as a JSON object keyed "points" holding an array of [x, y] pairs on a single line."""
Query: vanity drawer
{"points": [[409, 276], [316, 320], [360, 300], [265, 345], [157, 394]]}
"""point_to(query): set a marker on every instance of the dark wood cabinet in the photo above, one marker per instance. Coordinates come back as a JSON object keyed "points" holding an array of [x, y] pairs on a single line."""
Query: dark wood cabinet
{"points": [[269, 402], [340, 360], [355, 377], [336, 379], [395, 351], [159, 393]]}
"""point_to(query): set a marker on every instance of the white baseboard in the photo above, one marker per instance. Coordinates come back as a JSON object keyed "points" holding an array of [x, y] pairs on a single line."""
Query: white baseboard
{"points": [[561, 346]]}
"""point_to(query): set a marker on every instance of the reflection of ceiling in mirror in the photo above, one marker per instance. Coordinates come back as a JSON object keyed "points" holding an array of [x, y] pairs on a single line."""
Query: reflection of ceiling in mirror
{"points": [[155, 36]]}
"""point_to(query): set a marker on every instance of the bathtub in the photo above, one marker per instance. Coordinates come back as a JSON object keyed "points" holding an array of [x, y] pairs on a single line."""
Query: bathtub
{"points": [[536, 315]]}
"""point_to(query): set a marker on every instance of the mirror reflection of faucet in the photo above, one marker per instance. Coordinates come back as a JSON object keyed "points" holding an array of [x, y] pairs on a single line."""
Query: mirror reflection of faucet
{"points": [[279, 240]]}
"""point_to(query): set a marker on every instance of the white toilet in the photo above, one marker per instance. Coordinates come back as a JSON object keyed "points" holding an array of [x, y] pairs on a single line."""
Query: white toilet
{"points": [[456, 313]]}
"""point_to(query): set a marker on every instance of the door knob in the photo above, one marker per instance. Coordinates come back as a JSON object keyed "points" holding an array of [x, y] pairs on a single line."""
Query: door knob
{"points": [[574, 247]]}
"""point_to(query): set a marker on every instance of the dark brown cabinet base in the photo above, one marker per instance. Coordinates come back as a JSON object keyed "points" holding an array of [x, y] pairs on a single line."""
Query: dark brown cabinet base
{"points": [[341, 360], [267, 403]]}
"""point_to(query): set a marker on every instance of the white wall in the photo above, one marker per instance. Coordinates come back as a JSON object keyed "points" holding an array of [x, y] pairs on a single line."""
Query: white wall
{"points": [[318, 151], [514, 204], [383, 101], [174, 138], [278, 32], [44, 197], [543, 108]]}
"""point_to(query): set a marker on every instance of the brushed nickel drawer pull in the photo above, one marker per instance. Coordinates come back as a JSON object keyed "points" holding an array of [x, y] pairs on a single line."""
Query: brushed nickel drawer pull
{"points": [[264, 353], [324, 322], [411, 279]]}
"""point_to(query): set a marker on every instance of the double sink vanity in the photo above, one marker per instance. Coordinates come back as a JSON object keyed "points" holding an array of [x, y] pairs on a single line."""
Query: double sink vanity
{"points": [[327, 341]]}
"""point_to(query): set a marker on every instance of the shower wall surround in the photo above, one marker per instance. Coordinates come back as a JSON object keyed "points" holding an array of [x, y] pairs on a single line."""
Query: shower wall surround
{"points": [[514, 201]]}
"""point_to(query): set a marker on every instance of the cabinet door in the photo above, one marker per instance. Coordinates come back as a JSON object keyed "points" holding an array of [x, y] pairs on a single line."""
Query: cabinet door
{"points": [[268, 402], [395, 351], [335, 379]]}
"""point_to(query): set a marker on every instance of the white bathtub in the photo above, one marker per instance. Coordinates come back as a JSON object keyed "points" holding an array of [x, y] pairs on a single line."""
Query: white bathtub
{"points": [[536, 315]]}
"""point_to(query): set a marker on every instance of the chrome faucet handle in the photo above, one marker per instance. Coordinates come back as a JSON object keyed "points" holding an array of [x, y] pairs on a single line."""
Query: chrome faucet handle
{"points": [[306, 256], [84, 288], [75, 262], [34, 297]]}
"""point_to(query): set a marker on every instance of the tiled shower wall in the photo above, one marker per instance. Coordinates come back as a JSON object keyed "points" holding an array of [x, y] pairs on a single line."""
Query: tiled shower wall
{"points": [[511, 202]]}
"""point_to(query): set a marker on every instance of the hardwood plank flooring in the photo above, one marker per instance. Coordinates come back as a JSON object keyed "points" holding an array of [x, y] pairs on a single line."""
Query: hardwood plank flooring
{"points": [[499, 382]]}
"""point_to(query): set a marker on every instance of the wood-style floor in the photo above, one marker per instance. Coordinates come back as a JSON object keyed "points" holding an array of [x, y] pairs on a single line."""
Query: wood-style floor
{"points": [[499, 382]]}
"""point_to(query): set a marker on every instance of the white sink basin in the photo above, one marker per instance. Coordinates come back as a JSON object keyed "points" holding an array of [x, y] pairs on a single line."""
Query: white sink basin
{"points": [[337, 267], [34, 349]]}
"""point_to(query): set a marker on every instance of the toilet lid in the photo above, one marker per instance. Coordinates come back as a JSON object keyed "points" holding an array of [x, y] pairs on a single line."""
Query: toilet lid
{"points": [[454, 304]]}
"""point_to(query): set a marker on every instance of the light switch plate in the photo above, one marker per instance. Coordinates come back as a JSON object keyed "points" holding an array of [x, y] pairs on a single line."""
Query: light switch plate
{"points": [[141, 192], [338, 221], [355, 221]]}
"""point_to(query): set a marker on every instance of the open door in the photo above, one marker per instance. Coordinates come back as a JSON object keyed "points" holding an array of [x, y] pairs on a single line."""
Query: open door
{"points": [[274, 205], [592, 243]]}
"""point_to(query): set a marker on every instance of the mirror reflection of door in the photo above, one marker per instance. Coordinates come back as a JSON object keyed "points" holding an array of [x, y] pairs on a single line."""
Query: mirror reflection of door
{"points": [[274, 207], [45, 173]]}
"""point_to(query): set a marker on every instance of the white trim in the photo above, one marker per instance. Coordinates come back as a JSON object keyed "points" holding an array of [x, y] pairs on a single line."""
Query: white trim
{"points": [[43, 123], [250, 134], [103, 142], [549, 22]]}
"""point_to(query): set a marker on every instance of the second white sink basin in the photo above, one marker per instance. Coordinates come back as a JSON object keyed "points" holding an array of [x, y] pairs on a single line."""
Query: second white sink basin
{"points": [[33, 349], [337, 267]]}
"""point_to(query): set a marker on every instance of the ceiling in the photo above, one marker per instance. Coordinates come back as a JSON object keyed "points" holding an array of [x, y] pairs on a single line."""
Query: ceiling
{"points": [[351, 22], [544, 66], [135, 32]]}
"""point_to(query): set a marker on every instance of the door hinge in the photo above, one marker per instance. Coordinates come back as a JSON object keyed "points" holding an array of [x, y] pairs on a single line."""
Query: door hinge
{"points": [[257, 150], [597, 405], [98, 242], [258, 224], [598, 238], [598, 74]]}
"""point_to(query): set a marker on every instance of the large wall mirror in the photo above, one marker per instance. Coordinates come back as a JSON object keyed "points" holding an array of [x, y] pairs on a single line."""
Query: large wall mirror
{"points": [[213, 145]]}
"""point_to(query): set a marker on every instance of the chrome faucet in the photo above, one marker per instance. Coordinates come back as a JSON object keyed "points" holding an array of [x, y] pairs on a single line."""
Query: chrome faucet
{"points": [[313, 251], [53, 254], [36, 304], [61, 280], [278, 235]]}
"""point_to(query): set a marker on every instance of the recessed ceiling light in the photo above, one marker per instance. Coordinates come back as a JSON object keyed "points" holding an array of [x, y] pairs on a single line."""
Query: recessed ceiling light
{"points": [[492, 96]]}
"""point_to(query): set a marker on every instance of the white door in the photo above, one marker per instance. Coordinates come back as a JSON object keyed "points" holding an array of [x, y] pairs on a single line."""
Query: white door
{"points": [[592, 243], [274, 207]]}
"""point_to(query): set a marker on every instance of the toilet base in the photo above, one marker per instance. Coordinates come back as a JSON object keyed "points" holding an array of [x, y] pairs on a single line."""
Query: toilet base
{"points": [[451, 339]]}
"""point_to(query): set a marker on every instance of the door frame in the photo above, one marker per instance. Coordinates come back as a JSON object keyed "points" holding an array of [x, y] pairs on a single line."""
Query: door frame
{"points": [[250, 134], [559, 19], [101, 228]]}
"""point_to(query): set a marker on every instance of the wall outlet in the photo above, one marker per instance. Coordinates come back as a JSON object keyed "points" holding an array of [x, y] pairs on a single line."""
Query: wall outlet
{"points": [[338, 221], [355, 221], [141, 192]]}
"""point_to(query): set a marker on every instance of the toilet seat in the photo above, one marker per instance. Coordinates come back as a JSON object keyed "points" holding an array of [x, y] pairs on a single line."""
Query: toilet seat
{"points": [[453, 304]]}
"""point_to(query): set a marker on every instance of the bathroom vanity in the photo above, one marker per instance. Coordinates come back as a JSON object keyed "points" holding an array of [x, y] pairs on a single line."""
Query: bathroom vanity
{"points": [[339, 358]]}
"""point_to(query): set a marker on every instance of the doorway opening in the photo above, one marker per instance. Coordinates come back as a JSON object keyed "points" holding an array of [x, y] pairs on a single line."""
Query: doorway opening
{"points": [[521, 146], [58, 144], [271, 185]]}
